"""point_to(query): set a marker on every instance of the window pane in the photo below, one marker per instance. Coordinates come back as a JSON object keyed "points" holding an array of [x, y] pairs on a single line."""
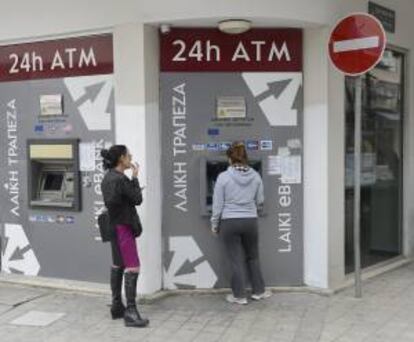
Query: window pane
{"points": [[381, 162]]}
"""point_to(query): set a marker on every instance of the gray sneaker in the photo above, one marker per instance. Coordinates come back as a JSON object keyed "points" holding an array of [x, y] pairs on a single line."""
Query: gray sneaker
{"points": [[265, 294], [231, 299]]}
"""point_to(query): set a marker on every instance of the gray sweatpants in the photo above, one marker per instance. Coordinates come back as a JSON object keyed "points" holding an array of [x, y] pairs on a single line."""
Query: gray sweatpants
{"points": [[241, 240]]}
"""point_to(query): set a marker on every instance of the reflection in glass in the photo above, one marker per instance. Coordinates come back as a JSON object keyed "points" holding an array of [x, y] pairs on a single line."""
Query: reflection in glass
{"points": [[381, 162]]}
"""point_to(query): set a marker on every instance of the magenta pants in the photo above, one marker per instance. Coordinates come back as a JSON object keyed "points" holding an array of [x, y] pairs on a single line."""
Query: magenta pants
{"points": [[127, 246]]}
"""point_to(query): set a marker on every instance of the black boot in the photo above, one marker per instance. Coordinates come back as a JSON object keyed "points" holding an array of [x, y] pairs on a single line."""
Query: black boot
{"points": [[132, 317], [117, 308]]}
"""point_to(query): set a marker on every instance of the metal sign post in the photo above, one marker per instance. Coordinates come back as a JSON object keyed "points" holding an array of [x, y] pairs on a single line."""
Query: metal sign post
{"points": [[356, 45], [357, 185]]}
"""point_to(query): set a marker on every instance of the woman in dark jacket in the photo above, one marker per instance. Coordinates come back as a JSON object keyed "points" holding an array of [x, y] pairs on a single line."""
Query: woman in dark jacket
{"points": [[121, 195]]}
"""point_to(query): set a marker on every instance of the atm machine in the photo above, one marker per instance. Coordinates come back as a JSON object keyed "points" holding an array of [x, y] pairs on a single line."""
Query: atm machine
{"points": [[53, 175], [210, 168], [194, 154]]}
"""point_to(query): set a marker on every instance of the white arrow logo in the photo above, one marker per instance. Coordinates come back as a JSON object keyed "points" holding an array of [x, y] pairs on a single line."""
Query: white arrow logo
{"points": [[186, 250], [18, 255], [92, 95], [277, 95]]}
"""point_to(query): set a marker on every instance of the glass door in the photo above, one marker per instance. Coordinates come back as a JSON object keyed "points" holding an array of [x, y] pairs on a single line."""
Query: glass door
{"points": [[381, 162]]}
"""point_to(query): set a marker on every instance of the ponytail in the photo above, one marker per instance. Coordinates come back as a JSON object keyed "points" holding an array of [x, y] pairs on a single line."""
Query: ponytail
{"points": [[110, 158]]}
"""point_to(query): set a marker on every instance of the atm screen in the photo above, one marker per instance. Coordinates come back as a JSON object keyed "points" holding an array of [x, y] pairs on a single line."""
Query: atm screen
{"points": [[214, 168], [53, 182]]}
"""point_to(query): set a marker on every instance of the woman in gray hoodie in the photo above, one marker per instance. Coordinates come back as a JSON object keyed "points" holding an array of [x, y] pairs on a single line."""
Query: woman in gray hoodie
{"points": [[237, 194]]}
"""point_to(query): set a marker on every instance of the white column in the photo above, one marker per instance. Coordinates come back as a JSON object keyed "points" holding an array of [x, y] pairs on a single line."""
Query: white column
{"points": [[336, 178], [137, 126], [315, 159]]}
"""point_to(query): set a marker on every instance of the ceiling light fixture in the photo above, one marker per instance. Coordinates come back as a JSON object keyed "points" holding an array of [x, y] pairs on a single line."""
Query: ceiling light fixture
{"points": [[234, 26]]}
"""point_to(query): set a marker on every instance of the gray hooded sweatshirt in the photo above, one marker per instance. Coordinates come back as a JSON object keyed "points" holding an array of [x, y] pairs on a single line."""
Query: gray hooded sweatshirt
{"points": [[237, 194]]}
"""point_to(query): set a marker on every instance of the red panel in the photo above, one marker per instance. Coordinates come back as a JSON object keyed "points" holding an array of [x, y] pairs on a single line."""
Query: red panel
{"points": [[87, 55], [185, 49], [354, 60]]}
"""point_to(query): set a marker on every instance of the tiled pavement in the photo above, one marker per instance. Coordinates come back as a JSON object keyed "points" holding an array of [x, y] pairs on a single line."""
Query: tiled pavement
{"points": [[385, 313]]}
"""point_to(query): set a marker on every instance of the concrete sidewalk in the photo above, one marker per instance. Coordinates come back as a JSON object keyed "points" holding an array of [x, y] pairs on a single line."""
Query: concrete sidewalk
{"points": [[385, 313]]}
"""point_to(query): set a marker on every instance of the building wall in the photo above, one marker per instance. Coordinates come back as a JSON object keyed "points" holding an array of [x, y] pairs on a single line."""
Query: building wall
{"points": [[136, 84], [75, 16]]}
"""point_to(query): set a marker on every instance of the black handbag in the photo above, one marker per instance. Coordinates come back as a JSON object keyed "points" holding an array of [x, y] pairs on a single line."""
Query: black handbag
{"points": [[136, 225], [104, 225]]}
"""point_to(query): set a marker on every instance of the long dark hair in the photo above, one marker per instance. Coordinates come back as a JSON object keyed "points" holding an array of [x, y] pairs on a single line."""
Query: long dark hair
{"points": [[111, 157], [237, 153]]}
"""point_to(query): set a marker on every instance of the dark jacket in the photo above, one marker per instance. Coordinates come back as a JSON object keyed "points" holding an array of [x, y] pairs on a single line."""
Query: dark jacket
{"points": [[121, 195]]}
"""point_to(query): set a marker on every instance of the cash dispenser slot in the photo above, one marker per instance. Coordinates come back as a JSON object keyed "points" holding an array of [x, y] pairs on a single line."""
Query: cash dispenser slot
{"points": [[54, 180]]}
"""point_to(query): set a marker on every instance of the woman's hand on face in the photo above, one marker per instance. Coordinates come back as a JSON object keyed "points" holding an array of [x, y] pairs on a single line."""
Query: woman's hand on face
{"points": [[135, 169]]}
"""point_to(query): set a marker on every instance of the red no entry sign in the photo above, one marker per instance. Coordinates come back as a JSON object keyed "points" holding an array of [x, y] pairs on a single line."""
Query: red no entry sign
{"points": [[357, 43]]}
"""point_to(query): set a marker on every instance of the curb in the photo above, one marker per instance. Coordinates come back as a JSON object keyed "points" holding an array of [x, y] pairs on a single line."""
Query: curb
{"points": [[98, 289]]}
